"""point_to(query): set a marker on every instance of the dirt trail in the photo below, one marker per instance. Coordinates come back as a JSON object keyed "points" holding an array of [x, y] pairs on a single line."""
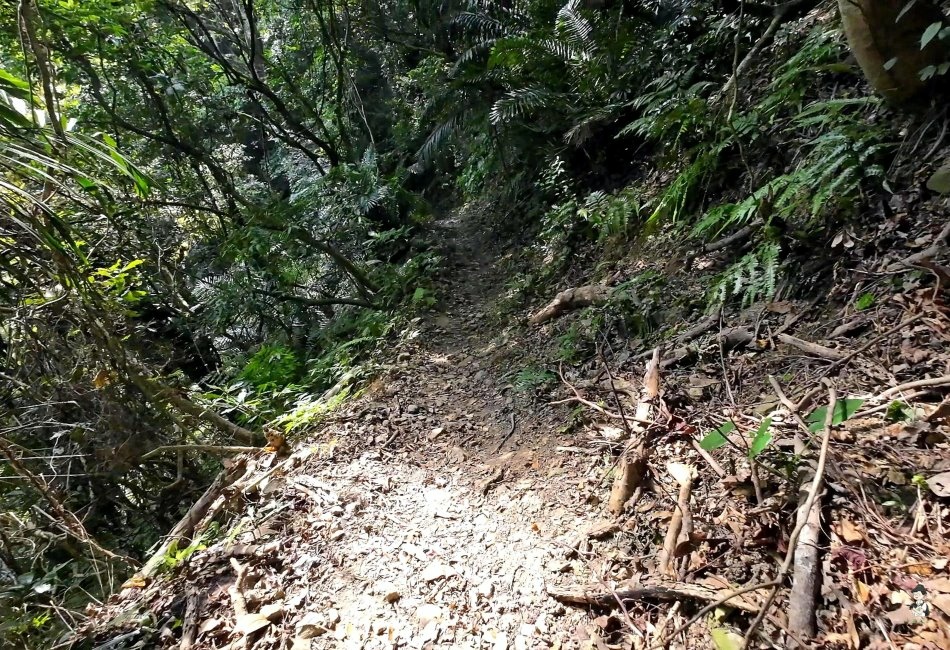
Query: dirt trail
{"points": [[426, 537], [434, 539], [414, 530]]}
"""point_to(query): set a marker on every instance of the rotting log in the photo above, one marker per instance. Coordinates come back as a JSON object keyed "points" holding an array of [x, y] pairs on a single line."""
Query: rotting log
{"points": [[571, 299]]}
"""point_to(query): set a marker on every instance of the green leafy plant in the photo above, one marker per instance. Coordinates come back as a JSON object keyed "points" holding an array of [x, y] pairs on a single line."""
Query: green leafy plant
{"points": [[717, 437], [760, 439], [423, 298], [898, 412], [531, 379], [272, 366], [844, 410], [175, 556], [864, 301]]}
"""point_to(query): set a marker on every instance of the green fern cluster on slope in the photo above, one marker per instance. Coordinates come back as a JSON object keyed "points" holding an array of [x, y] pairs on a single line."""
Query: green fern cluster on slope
{"points": [[838, 155]]}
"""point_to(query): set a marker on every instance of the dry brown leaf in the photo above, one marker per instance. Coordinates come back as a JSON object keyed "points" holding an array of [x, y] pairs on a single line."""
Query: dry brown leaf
{"points": [[940, 484], [862, 591], [920, 569], [939, 585], [850, 532], [900, 616], [941, 602], [210, 625], [102, 379], [250, 623]]}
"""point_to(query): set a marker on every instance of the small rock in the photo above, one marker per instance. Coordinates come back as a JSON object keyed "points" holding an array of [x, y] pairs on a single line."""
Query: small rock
{"points": [[486, 589], [337, 535], [412, 409], [437, 570]]}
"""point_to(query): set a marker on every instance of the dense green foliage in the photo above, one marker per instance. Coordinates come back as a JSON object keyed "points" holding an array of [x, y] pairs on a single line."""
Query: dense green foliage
{"points": [[222, 207]]}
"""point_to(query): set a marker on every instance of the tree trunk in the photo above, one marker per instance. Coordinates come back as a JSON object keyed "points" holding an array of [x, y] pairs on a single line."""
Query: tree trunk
{"points": [[887, 49]]}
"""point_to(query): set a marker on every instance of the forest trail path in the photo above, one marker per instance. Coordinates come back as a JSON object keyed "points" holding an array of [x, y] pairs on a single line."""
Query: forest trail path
{"points": [[428, 535]]}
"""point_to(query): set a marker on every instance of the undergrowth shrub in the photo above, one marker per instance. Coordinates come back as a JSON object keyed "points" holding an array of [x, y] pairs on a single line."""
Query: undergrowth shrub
{"points": [[272, 366]]}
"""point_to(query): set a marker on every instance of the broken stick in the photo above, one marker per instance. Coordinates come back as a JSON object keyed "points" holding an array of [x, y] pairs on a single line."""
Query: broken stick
{"points": [[633, 462], [804, 592], [683, 475], [813, 349]]}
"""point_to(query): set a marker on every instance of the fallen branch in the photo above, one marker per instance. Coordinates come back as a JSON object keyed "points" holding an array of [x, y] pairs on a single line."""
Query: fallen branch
{"points": [[216, 449], [713, 463], [848, 327], [735, 337], [813, 349], [880, 337], [633, 462], [238, 601], [804, 519], [186, 526], [738, 235], [716, 604], [597, 596], [586, 402], [571, 299], [928, 253], [602, 530], [189, 630], [920, 383], [700, 328]]}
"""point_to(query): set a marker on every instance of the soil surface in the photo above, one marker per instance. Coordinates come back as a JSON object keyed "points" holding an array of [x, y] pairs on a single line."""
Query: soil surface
{"points": [[453, 506]]}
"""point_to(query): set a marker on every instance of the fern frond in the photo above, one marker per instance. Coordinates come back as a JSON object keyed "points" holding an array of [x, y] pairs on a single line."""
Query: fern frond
{"points": [[436, 141], [518, 103], [753, 277], [479, 23], [579, 30]]}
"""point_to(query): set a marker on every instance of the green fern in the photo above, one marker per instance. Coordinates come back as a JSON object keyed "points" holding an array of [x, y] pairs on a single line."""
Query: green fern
{"points": [[579, 30], [753, 277], [522, 102]]}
